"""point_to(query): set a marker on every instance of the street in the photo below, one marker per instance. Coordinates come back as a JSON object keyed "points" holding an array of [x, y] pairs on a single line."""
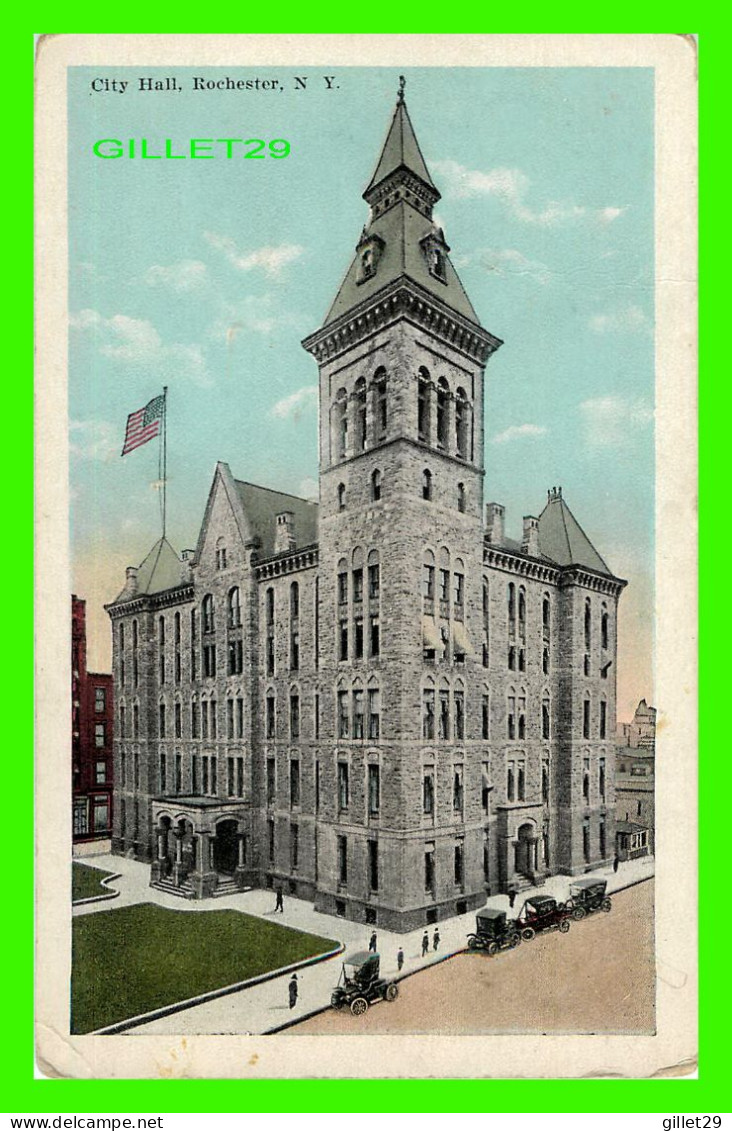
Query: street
{"points": [[598, 978]]}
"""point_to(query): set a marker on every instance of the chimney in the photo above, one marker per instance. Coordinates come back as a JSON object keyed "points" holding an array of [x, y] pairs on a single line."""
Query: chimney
{"points": [[284, 532], [186, 565], [131, 580], [530, 539], [494, 522]]}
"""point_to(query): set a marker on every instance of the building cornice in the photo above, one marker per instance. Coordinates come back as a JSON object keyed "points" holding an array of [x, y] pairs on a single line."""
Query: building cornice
{"points": [[292, 561], [511, 561], [402, 298], [180, 595]]}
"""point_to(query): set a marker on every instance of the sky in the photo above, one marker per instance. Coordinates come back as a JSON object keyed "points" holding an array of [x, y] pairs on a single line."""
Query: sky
{"points": [[204, 275]]}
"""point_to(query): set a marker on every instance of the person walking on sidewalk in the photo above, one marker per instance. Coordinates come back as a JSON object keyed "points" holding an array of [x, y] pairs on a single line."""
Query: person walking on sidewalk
{"points": [[279, 905], [372, 942], [292, 989], [400, 958], [425, 943], [616, 862], [511, 897], [436, 939]]}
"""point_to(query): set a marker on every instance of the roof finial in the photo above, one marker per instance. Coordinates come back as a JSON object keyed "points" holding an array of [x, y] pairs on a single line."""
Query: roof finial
{"points": [[400, 94]]}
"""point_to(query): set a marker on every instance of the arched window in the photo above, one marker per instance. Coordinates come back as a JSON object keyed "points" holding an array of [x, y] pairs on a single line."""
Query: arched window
{"points": [[423, 405], [376, 485], [341, 496], [461, 424], [294, 626], [522, 613], [604, 629], [359, 394], [220, 554], [234, 604], [427, 484], [340, 424], [588, 624], [443, 398], [545, 718], [486, 623], [207, 613], [381, 416], [461, 497], [586, 717]]}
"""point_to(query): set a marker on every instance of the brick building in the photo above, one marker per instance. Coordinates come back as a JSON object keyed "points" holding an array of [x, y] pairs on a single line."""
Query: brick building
{"points": [[635, 791], [92, 732], [381, 701]]}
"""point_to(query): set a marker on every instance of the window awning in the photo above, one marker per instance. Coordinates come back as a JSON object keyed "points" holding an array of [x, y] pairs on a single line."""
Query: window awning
{"points": [[460, 639], [430, 635]]}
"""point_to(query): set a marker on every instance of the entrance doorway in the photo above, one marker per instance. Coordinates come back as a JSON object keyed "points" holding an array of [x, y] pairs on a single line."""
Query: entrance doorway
{"points": [[526, 851], [226, 848]]}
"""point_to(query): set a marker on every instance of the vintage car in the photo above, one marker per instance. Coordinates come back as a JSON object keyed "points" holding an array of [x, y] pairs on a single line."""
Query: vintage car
{"points": [[542, 913], [360, 984], [588, 895], [494, 932]]}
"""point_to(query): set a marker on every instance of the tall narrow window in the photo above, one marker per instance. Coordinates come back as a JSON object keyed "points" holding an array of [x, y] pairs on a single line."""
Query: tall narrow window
{"points": [[374, 794], [459, 698], [521, 781], [194, 645], [428, 713], [426, 484], [343, 715], [373, 865], [342, 844], [234, 608], [603, 719], [544, 781], [376, 485], [239, 717], [458, 864], [461, 424], [545, 721], [428, 792], [375, 642], [601, 780], [461, 497], [486, 624], [428, 582], [195, 723], [586, 780], [522, 717], [343, 788], [294, 782], [358, 716], [294, 626], [511, 717], [457, 789], [343, 640], [374, 712], [443, 399], [270, 717], [269, 613], [423, 406], [340, 410], [294, 715], [485, 716], [161, 726], [444, 714], [605, 630], [373, 579], [358, 638], [381, 418], [178, 773], [121, 640], [522, 614], [359, 396], [429, 869], [176, 652], [207, 613], [586, 718], [271, 781], [511, 782], [294, 846], [229, 718], [178, 721], [135, 654], [511, 610], [586, 841], [341, 496]]}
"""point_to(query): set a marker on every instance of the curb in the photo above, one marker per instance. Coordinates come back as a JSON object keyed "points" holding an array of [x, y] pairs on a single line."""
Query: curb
{"points": [[100, 898], [211, 995], [410, 974]]}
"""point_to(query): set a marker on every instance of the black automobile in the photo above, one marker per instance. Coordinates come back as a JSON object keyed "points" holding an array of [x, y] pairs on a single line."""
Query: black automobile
{"points": [[586, 896], [360, 984], [494, 932], [542, 913]]}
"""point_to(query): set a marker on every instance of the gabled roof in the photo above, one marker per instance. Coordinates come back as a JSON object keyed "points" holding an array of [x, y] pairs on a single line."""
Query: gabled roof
{"points": [[562, 539], [401, 151], [160, 570], [261, 507]]}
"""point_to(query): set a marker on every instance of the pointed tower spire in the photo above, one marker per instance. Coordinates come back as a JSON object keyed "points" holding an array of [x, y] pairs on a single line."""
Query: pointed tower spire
{"points": [[401, 152]]}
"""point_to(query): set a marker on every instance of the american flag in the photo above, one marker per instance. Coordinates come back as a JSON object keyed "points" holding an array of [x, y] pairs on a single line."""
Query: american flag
{"points": [[144, 424]]}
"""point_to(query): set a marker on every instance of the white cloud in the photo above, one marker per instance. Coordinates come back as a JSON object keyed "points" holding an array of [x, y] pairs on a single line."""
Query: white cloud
{"points": [[271, 260], [294, 405], [612, 421], [94, 440], [136, 342], [519, 432], [186, 275], [511, 187], [631, 319], [505, 261]]}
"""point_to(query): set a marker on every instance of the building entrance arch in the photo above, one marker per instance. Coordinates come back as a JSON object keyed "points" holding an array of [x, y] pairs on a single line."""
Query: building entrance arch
{"points": [[226, 847], [525, 850]]}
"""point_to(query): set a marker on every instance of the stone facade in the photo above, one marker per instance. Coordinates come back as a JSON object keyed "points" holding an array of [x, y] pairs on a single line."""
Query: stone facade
{"points": [[411, 710], [92, 738]]}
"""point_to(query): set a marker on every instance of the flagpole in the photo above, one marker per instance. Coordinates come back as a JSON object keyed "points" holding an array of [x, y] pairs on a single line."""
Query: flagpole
{"points": [[165, 447]]}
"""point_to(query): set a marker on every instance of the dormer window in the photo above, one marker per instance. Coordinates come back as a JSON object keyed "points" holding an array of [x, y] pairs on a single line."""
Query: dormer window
{"points": [[435, 252], [369, 252]]}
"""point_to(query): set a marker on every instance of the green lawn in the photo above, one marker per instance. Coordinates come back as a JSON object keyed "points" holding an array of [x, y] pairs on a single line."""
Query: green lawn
{"points": [[134, 959], [85, 882]]}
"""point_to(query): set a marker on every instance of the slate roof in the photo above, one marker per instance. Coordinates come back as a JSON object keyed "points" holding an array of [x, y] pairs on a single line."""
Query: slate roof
{"points": [[401, 150], [160, 570], [261, 507], [562, 539]]}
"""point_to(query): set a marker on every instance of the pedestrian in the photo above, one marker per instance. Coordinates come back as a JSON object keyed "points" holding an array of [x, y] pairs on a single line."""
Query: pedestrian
{"points": [[372, 942], [425, 943], [279, 905], [400, 958], [292, 988], [616, 862], [511, 897], [436, 939]]}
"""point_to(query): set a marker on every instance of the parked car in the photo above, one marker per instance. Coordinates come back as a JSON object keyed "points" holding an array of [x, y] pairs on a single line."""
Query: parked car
{"points": [[494, 932], [360, 984], [588, 895], [542, 913]]}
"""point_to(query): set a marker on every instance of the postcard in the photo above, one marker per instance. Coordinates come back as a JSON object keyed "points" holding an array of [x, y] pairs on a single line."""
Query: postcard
{"points": [[366, 539]]}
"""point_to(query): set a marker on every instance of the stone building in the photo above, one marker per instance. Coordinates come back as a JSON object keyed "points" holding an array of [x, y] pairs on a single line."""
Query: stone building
{"points": [[92, 739], [635, 792], [381, 702]]}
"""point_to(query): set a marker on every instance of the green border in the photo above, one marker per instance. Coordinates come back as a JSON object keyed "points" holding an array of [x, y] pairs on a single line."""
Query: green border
{"points": [[23, 1093]]}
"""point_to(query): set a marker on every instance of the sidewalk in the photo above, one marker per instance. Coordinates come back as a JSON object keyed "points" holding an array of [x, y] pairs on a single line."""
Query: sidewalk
{"points": [[263, 1007]]}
